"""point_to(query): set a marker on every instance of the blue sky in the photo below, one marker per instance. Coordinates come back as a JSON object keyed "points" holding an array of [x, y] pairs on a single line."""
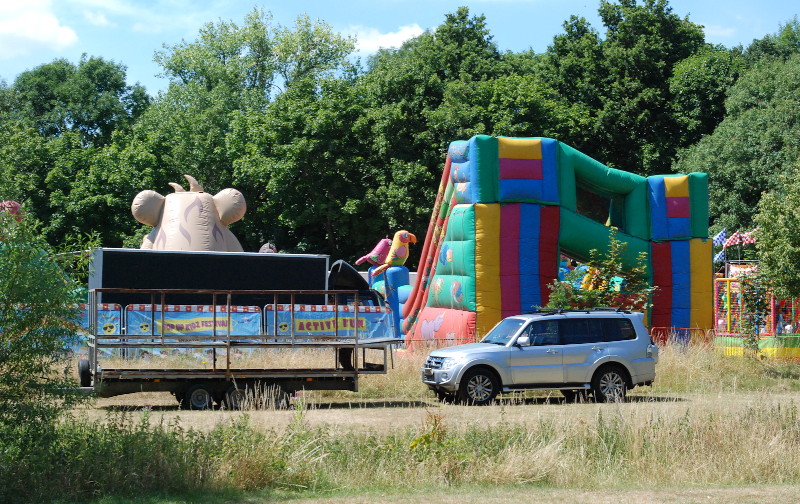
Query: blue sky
{"points": [[34, 32]]}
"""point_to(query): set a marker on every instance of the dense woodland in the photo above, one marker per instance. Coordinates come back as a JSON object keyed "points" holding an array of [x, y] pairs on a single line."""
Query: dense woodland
{"points": [[333, 153]]}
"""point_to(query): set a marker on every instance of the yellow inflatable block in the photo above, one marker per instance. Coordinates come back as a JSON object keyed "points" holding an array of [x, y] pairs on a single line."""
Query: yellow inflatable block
{"points": [[520, 148], [487, 267], [677, 186], [702, 286]]}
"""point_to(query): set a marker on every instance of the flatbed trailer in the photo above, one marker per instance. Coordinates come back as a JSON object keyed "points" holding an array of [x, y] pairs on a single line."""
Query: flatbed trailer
{"points": [[345, 355]]}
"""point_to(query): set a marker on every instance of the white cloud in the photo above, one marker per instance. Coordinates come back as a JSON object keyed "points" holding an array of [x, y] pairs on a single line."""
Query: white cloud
{"points": [[156, 16], [369, 40], [96, 18], [717, 32], [29, 26]]}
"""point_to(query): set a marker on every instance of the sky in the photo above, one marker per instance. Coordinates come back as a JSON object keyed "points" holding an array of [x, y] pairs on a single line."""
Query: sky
{"points": [[129, 32]]}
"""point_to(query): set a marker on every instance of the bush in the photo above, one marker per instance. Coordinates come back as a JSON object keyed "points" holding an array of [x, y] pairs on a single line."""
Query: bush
{"points": [[37, 315]]}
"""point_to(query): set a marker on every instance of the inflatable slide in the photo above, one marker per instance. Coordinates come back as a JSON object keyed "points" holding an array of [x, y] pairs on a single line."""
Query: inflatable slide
{"points": [[507, 208]]}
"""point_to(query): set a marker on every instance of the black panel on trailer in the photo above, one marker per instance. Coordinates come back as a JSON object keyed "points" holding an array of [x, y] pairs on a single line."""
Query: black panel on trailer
{"points": [[168, 269]]}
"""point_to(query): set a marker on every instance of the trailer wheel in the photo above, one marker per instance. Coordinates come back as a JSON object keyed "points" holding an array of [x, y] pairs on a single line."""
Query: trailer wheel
{"points": [[198, 397], [235, 397], [84, 373]]}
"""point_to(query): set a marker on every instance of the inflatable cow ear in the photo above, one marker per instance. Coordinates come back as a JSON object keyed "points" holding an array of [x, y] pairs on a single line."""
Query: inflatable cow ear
{"points": [[147, 206], [230, 205]]}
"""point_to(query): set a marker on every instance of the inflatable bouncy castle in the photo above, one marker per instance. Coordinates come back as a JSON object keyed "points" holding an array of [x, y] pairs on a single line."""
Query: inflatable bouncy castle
{"points": [[507, 208]]}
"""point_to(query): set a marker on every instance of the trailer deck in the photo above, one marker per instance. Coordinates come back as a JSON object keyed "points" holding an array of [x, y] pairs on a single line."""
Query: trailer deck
{"points": [[339, 340]]}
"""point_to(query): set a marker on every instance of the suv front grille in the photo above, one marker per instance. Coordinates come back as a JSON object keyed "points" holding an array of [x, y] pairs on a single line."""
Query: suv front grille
{"points": [[434, 362]]}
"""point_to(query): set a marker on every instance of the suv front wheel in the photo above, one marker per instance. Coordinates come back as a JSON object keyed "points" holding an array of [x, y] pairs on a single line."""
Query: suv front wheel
{"points": [[479, 386], [609, 384]]}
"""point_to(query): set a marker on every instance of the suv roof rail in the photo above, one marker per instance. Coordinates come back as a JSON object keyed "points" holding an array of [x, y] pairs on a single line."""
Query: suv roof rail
{"points": [[557, 311]]}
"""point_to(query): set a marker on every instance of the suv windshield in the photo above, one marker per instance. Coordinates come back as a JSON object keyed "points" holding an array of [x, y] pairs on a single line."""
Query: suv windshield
{"points": [[503, 331]]}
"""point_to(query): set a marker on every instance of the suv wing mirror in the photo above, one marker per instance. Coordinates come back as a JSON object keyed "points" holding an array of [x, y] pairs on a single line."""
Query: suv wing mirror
{"points": [[523, 341]]}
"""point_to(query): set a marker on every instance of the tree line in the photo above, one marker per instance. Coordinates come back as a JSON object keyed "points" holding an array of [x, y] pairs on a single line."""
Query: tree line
{"points": [[333, 152]]}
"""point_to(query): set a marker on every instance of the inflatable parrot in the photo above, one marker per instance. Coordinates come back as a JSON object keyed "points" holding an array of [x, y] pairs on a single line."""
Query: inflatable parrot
{"points": [[378, 254], [398, 253]]}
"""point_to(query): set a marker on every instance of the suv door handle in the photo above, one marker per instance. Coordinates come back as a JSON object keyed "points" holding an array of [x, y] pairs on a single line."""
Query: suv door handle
{"points": [[552, 351]]}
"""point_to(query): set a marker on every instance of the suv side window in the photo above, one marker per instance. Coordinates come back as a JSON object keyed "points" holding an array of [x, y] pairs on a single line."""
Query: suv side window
{"points": [[581, 330], [618, 329], [543, 333]]}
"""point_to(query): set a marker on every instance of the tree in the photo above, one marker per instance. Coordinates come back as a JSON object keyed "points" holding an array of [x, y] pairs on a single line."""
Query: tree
{"points": [[635, 130], [778, 245], [622, 82], [308, 185], [573, 63], [281, 135], [635, 293], [419, 98], [699, 86], [758, 140], [37, 323], [91, 98], [781, 45], [310, 51]]}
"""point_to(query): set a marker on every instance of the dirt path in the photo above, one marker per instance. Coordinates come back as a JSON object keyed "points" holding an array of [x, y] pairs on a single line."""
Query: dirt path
{"points": [[745, 495], [379, 415]]}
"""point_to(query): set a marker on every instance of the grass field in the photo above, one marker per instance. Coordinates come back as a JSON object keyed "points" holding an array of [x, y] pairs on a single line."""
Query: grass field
{"points": [[712, 429]]}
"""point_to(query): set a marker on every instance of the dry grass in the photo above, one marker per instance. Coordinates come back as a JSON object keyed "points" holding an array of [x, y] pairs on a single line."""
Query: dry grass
{"points": [[710, 421]]}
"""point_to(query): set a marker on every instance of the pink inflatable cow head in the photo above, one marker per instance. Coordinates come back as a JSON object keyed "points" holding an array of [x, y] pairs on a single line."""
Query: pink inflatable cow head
{"points": [[190, 220]]}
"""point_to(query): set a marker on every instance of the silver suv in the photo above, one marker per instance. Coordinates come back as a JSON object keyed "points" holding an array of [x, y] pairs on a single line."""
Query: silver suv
{"points": [[599, 352]]}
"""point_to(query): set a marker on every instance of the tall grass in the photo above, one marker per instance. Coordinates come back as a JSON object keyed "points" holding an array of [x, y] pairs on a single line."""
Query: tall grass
{"points": [[617, 448], [702, 369], [612, 446]]}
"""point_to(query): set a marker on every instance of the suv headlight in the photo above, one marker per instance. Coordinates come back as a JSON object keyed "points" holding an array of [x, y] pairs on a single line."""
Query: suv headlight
{"points": [[450, 363]]}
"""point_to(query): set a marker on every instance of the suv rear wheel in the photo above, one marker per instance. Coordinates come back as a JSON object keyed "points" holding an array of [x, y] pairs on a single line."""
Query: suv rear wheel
{"points": [[479, 386], [609, 384]]}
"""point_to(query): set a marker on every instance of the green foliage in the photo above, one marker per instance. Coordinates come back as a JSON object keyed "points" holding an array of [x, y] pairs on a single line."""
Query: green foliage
{"points": [[758, 140], [634, 294], [288, 152], [699, 86], [781, 45], [756, 297], [91, 99], [623, 82], [331, 156], [777, 245], [37, 323]]}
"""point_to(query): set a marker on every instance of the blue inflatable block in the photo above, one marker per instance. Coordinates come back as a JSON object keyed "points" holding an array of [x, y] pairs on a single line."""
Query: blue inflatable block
{"points": [[529, 294], [550, 170], [397, 276], [681, 284], [521, 190], [681, 317], [658, 208], [458, 151], [679, 227], [402, 294]]}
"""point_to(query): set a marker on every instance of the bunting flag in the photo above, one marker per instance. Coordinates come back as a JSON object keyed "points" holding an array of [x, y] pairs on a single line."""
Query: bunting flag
{"points": [[735, 239], [749, 237], [719, 238], [720, 256]]}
